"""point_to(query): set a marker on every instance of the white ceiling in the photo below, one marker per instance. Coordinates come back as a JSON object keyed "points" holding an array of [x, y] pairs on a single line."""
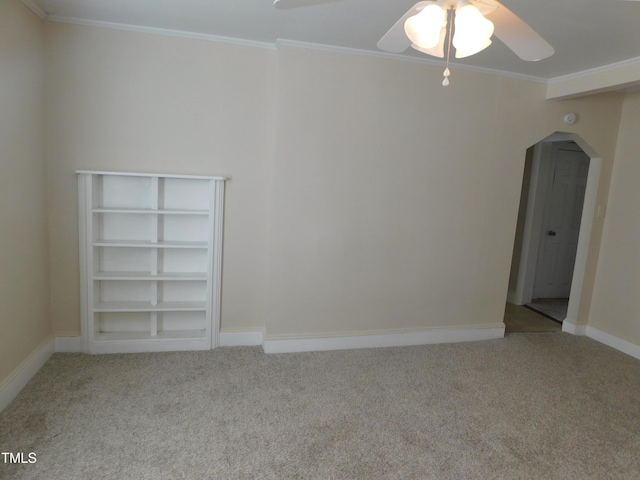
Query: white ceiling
{"points": [[586, 34]]}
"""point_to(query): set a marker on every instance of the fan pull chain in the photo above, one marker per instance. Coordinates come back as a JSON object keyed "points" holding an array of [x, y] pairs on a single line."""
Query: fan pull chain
{"points": [[447, 72], [446, 75]]}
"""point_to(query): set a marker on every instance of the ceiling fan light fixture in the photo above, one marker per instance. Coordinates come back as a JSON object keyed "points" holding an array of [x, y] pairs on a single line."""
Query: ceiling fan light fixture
{"points": [[423, 29], [437, 51], [473, 31], [462, 53]]}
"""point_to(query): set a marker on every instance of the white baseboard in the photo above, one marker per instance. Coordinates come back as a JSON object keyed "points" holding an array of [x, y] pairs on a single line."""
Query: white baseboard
{"points": [[68, 344], [399, 339], [574, 329], [336, 342], [227, 339], [24, 372], [602, 337], [240, 339], [614, 342], [149, 346]]}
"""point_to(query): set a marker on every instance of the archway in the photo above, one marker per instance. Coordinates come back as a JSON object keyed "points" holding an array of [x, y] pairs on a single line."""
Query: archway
{"points": [[529, 230]]}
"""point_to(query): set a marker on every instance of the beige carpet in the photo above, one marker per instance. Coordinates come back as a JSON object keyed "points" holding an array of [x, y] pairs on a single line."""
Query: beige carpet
{"points": [[529, 406]]}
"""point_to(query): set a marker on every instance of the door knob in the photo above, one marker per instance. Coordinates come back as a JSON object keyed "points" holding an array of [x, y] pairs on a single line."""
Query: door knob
{"points": [[551, 233]]}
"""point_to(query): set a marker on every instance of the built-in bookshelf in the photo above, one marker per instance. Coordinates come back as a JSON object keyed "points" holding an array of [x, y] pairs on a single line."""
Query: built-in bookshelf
{"points": [[150, 258]]}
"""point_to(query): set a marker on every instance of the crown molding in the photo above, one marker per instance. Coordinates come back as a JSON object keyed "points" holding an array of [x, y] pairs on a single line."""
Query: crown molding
{"points": [[595, 71], [614, 77], [288, 43], [35, 9], [161, 31], [330, 48]]}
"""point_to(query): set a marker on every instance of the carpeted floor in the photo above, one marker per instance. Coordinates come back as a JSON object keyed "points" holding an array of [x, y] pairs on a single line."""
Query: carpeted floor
{"points": [[529, 406]]}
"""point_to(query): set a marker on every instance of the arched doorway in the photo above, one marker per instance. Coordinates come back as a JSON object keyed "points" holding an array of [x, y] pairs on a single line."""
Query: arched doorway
{"points": [[534, 239]]}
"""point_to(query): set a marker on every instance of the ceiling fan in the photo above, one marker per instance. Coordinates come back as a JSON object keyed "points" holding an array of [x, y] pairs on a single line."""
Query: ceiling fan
{"points": [[434, 26]]}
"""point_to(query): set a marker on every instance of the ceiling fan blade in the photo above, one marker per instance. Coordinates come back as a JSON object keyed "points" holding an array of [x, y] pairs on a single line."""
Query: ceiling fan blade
{"points": [[286, 4], [395, 40], [514, 32]]}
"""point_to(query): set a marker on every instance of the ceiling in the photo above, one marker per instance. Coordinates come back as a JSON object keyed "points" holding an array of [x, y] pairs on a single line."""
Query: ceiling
{"points": [[586, 34]]}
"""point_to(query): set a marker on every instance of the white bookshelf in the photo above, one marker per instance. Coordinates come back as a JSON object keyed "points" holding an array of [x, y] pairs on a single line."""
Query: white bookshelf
{"points": [[150, 253]]}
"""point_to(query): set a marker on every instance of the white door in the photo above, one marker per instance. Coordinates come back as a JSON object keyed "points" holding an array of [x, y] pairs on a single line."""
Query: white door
{"points": [[561, 224]]}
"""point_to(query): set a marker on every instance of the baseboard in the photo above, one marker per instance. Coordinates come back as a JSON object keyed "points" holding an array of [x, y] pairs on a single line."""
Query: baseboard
{"points": [[70, 344], [391, 339], [240, 339], [24, 372], [574, 329], [614, 342], [227, 339], [336, 341], [602, 337], [73, 344]]}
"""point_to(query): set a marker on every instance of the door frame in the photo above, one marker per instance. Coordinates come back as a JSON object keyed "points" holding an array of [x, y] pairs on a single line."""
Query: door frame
{"points": [[541, 168]]}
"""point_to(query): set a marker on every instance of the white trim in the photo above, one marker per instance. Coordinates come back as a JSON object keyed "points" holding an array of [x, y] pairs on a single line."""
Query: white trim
{"points": [[285, 42], [216, 214], [85, 258], [290, 43], [406, 58], [398, 339], [73, 344], [162, 31], [614, 342], [152, 175], [149, 346], [68, 344], [584, 235], [603, 337], [533, 223], [240, 339], [330, 48], [574, 329], [35, 9], [16, 381], [594, 71]]}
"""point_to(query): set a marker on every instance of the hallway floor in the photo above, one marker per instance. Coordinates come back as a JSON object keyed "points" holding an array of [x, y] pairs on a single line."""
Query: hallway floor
{"points": [[553, 307], [521, 319]]}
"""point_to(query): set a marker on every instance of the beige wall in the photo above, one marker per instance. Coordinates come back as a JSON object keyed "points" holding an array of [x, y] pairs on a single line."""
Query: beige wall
{"points": [[364, 196], [24, 278], [616, 303], [125, 101], [395, 200]]}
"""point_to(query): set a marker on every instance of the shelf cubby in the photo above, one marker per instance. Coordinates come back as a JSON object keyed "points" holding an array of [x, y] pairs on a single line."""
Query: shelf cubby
{"points": [[150, 248]]}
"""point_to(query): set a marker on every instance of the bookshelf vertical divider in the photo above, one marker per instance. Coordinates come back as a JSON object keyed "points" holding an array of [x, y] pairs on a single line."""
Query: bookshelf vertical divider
{"points": [[150, 261]]}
